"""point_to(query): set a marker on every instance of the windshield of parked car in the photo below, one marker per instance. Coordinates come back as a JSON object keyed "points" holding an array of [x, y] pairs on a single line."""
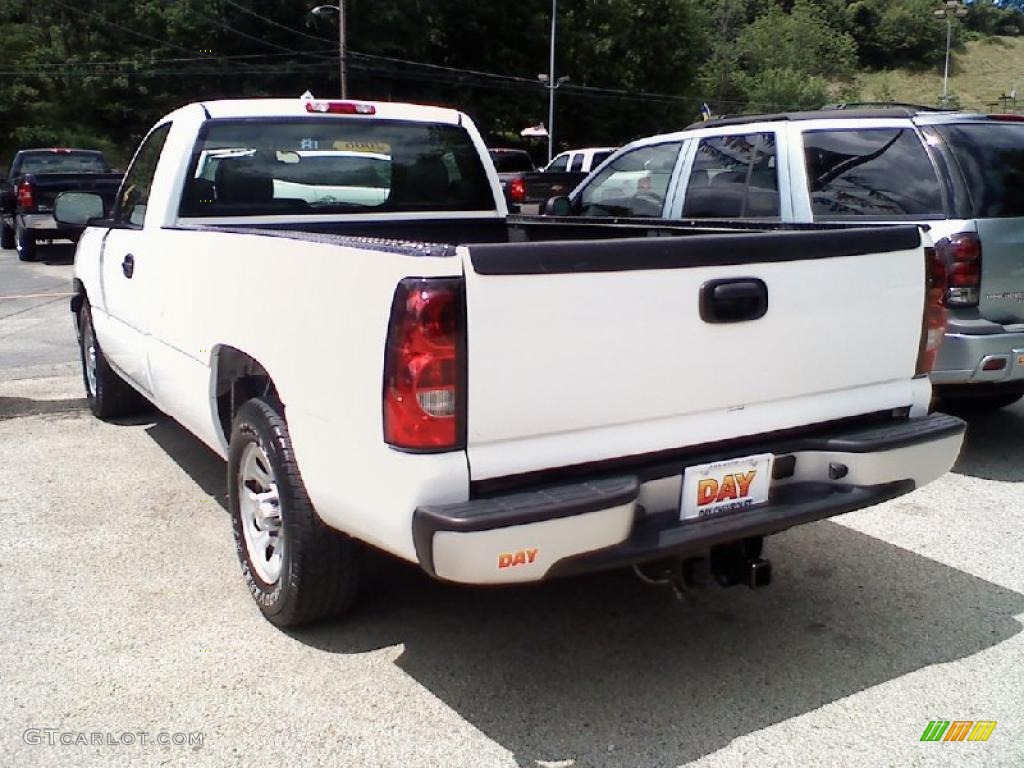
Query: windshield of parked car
{"points": [[333, 165], [511, 162], [991, 158], [61, 161]]}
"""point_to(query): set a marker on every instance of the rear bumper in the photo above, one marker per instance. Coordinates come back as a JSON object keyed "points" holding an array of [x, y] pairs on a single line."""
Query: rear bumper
{"points": [[624, 519], [44, 226], [963, 357]]}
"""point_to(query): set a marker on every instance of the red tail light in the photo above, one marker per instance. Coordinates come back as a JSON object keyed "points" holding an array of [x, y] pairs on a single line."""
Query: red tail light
{"points": [[517, 189], [26, 197], [961, 256], [424, 366], [933, 323]]}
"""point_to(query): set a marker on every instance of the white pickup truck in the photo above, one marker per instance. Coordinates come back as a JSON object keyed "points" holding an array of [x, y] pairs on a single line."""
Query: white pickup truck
{"points": [[329, 295]]}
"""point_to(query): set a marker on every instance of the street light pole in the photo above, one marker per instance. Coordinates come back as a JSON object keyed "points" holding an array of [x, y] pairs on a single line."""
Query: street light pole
{"points": [[948, 10], [945, 72], [342, 72], [552, 83]]}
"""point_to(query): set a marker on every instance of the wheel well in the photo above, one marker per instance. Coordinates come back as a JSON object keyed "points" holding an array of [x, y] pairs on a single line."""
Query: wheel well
{"points": [[238, 377]]}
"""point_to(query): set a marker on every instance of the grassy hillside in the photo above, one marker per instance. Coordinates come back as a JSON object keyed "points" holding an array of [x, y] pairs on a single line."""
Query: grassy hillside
{"points": [[978, 76]]}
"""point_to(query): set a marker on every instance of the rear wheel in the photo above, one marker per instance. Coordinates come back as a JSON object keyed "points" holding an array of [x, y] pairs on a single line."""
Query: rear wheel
{"points": [[6, 237], [297, 570], [108, 394], [24, 243]]}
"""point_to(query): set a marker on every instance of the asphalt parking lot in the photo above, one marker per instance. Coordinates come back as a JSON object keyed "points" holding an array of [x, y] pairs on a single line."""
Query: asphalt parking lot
{"points": [[126, 614]]}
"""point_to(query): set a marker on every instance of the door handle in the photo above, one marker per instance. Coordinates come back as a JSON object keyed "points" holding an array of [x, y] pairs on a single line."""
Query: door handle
{"points": [[733, 300], [128, 266]]}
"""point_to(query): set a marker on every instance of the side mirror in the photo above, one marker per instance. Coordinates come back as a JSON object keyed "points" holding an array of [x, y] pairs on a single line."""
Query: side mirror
{"points": [[558, 206], [75, 209]]}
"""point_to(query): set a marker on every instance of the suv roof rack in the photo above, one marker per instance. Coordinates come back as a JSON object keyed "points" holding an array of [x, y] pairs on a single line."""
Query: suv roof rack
{"points": [[883, 105], [865, 109]]}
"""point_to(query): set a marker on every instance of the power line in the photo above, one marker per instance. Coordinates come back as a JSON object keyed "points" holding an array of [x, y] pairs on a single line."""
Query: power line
{"points": [[275, 23], [239, 33], [176, 60]]}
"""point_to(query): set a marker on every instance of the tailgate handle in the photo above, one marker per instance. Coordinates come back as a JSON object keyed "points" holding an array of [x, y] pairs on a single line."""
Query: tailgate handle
{"points": [[734, 300]]}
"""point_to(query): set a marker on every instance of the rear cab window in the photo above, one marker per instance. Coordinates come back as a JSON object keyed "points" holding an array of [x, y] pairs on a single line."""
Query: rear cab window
{"points": [[990, 157], [512, 161], [734, 176], [880, 173], [60, 161], [311, 166]]}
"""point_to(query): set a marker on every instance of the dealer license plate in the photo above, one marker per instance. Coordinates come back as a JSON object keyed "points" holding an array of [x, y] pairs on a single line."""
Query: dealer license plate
{"points": [[725, 486]]}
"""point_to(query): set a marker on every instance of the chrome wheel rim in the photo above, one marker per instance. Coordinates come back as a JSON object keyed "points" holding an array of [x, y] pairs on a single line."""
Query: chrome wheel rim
{"points": [[89, 356], [260, 510]]}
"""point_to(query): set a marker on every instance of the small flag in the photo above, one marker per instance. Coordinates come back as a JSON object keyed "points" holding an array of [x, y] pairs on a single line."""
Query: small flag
{"points": [[705, 112]]}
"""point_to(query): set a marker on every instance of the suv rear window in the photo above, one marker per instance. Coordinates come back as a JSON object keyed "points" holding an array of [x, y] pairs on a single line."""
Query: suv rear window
{"points": [[876, 172], [333, 165], [991, 158]]}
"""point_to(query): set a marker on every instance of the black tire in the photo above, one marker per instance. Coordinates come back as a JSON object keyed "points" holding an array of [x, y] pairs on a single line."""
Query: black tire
{"points": [[978, 404], [109, 395], [319, 569], [24, 243], [6, 237]]}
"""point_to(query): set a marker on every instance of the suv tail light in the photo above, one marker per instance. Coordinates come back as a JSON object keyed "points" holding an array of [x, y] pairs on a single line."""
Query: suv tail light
{"points": [[517, 189], [933, 322], [26, 197], [425, 366], [961, 255]]}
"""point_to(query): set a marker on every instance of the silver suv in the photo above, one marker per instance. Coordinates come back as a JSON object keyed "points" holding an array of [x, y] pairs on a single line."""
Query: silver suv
{"points": [[960, 174]]}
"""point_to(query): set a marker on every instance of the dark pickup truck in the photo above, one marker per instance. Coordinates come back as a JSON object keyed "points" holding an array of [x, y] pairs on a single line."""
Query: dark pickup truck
{"points": [[559, 177], [37, 176]]}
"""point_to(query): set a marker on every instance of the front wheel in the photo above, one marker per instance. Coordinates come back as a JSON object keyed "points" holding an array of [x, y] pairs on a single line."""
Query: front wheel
{"points": [[24, 243], [108, 394], [297, 569]]}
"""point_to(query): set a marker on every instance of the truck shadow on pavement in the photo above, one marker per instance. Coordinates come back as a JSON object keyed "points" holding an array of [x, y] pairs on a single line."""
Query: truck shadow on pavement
{"points": [[994, 446], [603, 670], [205, 467]]}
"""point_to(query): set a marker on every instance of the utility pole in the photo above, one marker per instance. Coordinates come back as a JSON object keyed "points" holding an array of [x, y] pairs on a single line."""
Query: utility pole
{"points": [[342, 72]]}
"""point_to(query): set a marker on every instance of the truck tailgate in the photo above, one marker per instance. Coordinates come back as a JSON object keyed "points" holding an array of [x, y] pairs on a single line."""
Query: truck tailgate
{"points": [[590, 350]]}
